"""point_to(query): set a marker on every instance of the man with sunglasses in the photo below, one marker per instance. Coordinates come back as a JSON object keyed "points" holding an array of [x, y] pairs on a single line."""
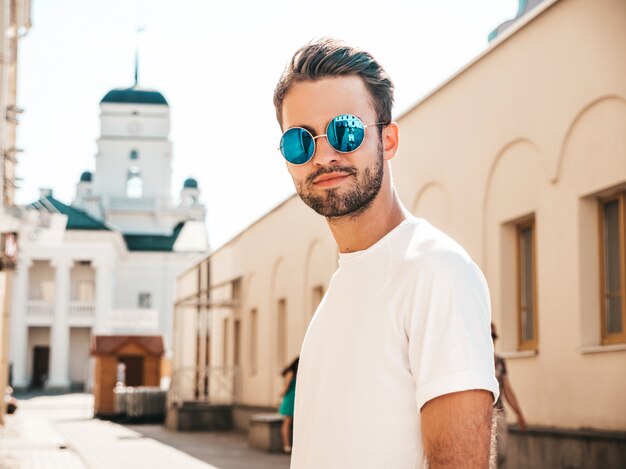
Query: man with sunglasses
{"points": [[396, 369]]}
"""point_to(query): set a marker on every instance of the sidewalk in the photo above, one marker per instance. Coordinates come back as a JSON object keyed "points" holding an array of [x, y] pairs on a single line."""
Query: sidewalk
{"points": [[224, 450], [28, 440], [59, 432]]}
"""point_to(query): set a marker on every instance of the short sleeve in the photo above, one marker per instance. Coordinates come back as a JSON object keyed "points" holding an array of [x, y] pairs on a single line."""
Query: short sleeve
{"points": [[449, 341]]}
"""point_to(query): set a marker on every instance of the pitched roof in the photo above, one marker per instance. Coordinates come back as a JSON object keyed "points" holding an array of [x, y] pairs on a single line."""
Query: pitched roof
{"points": [[151, 242], [109, 344], [77, 219]]}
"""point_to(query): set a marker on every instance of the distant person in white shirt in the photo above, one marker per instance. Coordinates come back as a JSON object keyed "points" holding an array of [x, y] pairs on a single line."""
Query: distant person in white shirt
{"points": [[396, 369]]}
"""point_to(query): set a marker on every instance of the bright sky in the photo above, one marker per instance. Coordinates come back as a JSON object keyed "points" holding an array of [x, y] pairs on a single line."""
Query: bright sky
{"points": [[217, 64]]}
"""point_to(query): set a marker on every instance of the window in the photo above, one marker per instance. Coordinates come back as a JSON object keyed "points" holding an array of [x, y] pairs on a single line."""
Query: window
{"points": [[236, 289], [190, 200], [613, 269], [134, 184], [47, 291], [85, 290], [253, 340], [526, 286], [225, 344], [207, 363], [282, 334], [145, 300], [237, 341]]}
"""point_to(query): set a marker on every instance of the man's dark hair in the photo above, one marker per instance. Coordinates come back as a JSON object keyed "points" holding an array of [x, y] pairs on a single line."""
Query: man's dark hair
{"points": [[327, 58]]}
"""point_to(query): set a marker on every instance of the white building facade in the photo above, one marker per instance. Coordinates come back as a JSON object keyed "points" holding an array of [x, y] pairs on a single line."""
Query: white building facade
{"points": [[107, 263]]}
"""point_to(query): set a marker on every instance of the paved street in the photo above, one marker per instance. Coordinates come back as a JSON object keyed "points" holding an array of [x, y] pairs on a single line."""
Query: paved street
{"points": [[59, 432]]}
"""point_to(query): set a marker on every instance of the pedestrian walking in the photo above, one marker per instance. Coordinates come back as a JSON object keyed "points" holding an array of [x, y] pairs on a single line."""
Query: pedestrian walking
{"points": [[506, 390], [287, 405], [396, 368]]}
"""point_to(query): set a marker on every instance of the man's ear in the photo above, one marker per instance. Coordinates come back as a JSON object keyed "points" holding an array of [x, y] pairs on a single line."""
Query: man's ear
{"points": [[390, 138]]}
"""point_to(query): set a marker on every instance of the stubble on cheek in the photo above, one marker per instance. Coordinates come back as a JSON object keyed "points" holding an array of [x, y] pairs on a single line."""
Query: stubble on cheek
{"points": [[351, 200]]}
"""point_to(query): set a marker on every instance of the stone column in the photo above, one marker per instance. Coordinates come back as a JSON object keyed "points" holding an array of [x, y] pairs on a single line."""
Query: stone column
{"points": [[19, 327], [104, 294], [59, 377]]}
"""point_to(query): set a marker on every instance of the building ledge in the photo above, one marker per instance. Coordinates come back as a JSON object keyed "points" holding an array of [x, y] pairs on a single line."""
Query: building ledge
{"points": [[515, 354], [602, 348], [582, 433]]}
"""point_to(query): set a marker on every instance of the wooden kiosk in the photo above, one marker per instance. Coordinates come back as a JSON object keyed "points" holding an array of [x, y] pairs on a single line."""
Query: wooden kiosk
{"points": [[141, 357]]}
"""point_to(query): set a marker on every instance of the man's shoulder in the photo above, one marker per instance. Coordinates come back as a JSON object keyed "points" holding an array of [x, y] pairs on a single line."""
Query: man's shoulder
{"points": [[428, 248]]}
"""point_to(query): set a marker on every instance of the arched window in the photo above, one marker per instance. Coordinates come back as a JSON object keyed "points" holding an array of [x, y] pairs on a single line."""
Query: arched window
{"points": [[190, 200], [134, 154], [134, 184]]}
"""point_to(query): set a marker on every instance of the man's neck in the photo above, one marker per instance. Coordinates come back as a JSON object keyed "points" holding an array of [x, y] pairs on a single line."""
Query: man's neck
{"points": [[356, 233]]}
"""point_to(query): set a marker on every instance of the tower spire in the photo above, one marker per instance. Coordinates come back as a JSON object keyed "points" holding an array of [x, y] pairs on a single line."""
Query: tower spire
{"points": [[136, 67], [139, 30]]}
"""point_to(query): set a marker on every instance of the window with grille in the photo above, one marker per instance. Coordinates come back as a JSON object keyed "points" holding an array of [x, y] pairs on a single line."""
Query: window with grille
{"points": [[281, 343], [145, 300], [526, 286], [253, 341], [613, 269]]}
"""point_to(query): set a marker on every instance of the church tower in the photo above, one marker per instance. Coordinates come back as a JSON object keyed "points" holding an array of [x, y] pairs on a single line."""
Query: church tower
{"points": [[130, 189], [134, 152]]}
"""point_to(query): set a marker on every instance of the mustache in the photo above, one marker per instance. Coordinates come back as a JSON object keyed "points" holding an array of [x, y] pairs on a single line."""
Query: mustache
{"points": [[331, 169]]}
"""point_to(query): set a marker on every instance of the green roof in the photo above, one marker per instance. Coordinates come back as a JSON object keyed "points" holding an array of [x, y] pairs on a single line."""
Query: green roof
{"points": [[134, 94], [190, 183], [77, 219], [150, 242]]}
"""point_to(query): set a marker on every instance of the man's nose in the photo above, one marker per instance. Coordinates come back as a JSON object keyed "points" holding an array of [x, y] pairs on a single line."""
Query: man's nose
{"points": [[324, 153]]}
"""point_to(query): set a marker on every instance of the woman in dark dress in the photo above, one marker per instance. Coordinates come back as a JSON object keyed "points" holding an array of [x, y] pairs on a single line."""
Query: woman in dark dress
{"points": [[506, 392]]}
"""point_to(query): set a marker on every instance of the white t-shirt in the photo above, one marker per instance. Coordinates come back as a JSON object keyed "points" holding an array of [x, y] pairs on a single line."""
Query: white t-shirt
{"points": [[403, 322]]}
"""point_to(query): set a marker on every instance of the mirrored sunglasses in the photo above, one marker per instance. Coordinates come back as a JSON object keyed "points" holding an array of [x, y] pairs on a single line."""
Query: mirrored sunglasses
{"points": [[345, 133]]}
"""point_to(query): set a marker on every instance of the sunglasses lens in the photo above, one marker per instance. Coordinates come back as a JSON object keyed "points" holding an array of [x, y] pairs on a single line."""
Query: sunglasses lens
{"points": [[297, 145], [345, 133]]}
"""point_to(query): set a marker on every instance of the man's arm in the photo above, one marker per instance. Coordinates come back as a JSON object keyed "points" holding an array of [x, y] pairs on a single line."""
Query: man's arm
{"points": [[456, 430]]}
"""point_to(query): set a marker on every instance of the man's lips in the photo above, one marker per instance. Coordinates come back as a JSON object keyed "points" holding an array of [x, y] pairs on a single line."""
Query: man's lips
{"points": [[330, 179]]}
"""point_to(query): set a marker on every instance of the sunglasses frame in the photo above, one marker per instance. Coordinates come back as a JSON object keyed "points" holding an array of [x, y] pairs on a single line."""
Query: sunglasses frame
{"points": [[315, 137]]}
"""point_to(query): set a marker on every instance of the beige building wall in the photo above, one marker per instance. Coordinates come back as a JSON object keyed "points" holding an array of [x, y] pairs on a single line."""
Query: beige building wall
{"points": [[82, 282], [14, 23], [280, 264], [534, 127], [41, 281], [80, 363]]}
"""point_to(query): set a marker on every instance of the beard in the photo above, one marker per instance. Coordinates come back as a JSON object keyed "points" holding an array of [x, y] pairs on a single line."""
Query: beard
{"points": [[353, 201]]}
